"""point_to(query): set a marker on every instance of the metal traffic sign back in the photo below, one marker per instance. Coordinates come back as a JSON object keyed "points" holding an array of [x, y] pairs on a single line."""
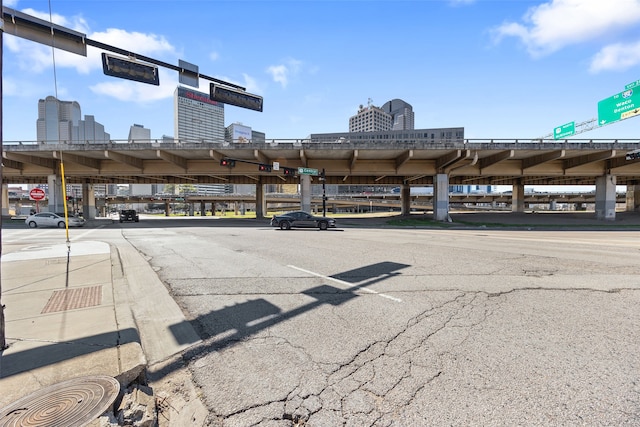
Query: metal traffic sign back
{"points": [[307, 171], [565, 130], [619, 107]]}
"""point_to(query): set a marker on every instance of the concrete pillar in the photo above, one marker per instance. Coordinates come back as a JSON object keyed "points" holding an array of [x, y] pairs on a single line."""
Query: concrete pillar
{"points": [[517, 197], [5, 200], [56, 201], [441, 198], [203, 208], [305, 193], [261, 203], [192, 209], [167, 208], [633, 198], [405, 199], [553, 205], [606, 197], [88, 201]]}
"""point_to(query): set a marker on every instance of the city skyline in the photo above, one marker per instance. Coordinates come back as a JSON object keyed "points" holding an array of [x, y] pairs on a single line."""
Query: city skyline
{"points": [[498, 69]]}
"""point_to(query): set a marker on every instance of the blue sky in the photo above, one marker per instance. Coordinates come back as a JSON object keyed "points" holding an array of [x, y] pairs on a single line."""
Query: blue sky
{"points": [[498, 68]]}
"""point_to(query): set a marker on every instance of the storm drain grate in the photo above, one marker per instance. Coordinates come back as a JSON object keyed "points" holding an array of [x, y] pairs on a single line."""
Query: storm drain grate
{"points": [[75, 402], [71, 299]]}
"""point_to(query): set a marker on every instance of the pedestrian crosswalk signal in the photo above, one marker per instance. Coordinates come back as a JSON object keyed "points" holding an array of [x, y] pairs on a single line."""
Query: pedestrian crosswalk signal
{"points": [[289, 171], [264, 168]]}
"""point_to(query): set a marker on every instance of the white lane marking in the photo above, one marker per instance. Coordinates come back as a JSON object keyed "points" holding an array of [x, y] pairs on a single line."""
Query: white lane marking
{"points": [[342, 282]]}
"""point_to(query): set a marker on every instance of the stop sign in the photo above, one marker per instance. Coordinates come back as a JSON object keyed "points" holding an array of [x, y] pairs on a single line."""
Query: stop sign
{"points": [[36, 194]]}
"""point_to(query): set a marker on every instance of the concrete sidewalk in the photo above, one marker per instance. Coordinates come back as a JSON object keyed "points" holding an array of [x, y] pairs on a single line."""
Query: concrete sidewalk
{"points": [[94, 310]]}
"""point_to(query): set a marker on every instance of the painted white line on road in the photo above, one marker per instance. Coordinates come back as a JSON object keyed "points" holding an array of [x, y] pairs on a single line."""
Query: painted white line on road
{"points": [[342, 282]]}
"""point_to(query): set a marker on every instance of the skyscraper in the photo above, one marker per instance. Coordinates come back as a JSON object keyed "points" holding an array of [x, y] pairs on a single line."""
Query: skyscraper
{"points": [[401, 113], [370, 119], [197, 118], [60, 122]]}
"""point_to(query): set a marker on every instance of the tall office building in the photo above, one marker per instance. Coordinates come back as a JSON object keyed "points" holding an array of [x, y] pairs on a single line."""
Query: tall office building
{"points": [[61, 122], [370, 119], [56, 120], [138, 133], [401, 114], [197, 118]]}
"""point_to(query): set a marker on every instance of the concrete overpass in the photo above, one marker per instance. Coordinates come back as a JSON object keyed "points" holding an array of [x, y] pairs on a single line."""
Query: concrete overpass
{"points": [[403, 163]]}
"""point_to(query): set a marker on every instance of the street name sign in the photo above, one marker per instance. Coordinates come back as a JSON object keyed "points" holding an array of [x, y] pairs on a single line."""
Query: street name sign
{"points": [[565, 130], [307, 171], [619, 107]]}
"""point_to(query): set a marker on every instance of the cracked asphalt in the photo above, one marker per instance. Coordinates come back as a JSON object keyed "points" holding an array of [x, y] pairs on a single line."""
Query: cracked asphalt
{"points": [[397, 327]]}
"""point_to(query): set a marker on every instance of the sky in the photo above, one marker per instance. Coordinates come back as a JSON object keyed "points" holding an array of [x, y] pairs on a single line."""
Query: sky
{"points": [[512, 69]]}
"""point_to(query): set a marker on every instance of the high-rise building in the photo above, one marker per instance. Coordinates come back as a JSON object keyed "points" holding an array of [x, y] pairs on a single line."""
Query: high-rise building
{"points": [[370, 119], [197, 118], [60, 122], [138, 133], [401, 114]]}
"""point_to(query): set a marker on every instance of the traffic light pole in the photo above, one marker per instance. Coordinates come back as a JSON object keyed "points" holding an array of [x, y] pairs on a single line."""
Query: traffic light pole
{"points": [[324, 193], [3, 343]]}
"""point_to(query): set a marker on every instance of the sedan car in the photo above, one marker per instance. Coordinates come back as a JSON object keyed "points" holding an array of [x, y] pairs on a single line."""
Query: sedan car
{"points": [[301, 219], [52, 219]]}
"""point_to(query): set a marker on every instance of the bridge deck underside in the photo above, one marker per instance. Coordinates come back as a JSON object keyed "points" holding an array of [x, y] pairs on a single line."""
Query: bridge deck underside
{"points": [[466, 163]]}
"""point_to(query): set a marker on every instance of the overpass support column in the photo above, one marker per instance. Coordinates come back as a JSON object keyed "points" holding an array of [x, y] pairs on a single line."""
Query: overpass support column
{"points": [[5, 201], [606, 197], [56, 203], [305, 193], [88, 201], [405, 199], [261, 205], [517, 197], [441, 197], [203, 209], [633, 198], [167, 208]]}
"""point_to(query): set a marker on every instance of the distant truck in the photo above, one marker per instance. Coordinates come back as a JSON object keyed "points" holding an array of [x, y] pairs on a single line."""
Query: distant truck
{"points": [[129, 215]]}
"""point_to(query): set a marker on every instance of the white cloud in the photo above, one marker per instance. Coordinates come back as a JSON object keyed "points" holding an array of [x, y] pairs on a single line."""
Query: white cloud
{"points": [[214, 56], [36, 57], [616, 57], [283, 72], [126, 90], [558, 23]]}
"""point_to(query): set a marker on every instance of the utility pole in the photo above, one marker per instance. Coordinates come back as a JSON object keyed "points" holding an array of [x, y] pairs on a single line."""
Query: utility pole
{"points": [[323, 178], [3, 343]]}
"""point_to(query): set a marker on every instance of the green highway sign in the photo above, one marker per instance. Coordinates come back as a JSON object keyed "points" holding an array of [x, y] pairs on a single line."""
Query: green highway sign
{"points": [[619, 107], [307, 171], [632, 85], [565, 130]]}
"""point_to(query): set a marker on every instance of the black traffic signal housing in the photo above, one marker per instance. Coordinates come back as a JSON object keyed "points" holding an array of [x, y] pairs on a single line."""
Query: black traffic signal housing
{"points": [[264, 168], [230, 163], [289, 171]]}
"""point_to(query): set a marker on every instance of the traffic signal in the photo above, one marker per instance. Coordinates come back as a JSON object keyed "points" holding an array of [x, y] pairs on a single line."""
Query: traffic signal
{"points": [[289, 171], [264, 168], [230, 163]]}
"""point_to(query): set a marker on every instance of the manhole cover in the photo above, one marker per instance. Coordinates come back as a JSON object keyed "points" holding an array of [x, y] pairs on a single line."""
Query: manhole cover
{"points": [[76, 402]]}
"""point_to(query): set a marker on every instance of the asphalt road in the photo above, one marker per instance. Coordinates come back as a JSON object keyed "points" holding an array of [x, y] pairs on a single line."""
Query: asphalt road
{"points": [[404, 327], [371, 327]]}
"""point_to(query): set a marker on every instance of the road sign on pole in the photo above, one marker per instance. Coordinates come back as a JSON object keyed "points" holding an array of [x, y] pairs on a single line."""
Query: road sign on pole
{"points": [[36, 194], [619, 107], [565, 130], [307, 171]]}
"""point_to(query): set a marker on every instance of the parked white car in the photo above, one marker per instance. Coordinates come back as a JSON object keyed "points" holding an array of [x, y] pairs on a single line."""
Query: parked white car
{"points": [[51, 219]]}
